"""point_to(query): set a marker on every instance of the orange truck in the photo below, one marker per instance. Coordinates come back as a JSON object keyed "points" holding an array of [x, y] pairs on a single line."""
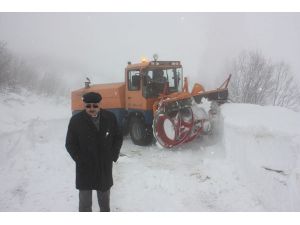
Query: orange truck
{"points": [[149, 86]]}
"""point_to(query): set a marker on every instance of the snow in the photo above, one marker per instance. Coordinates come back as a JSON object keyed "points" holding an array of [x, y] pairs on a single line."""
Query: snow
{"points": [[251, 164], [169, 129]]}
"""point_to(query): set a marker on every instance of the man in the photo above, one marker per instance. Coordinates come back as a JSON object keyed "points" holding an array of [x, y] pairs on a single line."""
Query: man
{"points": [[94, 141]]}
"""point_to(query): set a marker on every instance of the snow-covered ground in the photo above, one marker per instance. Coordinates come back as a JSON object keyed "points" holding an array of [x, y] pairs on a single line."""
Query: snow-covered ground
{"points": [[253, 164]]}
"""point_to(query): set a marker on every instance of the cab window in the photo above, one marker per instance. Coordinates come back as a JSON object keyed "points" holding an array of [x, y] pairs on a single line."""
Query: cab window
{"points": [[134, 80]]}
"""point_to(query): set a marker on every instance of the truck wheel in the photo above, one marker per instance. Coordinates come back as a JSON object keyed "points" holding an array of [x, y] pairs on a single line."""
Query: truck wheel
{"points": [[140, 133]]}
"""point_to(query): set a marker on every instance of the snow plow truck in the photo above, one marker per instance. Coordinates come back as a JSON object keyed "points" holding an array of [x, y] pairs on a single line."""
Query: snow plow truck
{"points": [[154, 103]]}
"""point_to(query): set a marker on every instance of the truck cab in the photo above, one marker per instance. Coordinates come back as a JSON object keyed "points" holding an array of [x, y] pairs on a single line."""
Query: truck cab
{"points": [[145, 84]]}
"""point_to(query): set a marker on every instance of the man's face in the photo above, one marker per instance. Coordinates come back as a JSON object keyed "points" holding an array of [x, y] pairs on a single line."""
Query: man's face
{"points": [[92, 108]]}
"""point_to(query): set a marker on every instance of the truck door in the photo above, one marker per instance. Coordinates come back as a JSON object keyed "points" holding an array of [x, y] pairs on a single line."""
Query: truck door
{"points": [[133, 92]]}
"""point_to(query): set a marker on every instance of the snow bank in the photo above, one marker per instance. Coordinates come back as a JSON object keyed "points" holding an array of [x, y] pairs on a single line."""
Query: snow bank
{"points": [[264, 145]]}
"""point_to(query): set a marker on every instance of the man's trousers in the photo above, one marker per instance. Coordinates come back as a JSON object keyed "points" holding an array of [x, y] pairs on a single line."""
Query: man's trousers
{"points": [[85, 200]]}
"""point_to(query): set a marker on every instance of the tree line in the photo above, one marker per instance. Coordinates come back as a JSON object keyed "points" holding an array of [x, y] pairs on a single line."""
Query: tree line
{"points": [[16, 74]]}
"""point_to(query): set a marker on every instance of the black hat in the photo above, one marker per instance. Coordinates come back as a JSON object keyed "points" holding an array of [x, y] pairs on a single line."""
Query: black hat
{"points": [[91, 97]]}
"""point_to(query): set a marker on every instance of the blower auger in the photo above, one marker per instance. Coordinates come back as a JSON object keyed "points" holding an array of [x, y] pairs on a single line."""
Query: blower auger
{"points": [[181, 117]]}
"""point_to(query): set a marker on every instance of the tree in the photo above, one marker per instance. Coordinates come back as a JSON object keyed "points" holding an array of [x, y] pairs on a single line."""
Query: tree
{"points": [[252, 78], [286, 90]]}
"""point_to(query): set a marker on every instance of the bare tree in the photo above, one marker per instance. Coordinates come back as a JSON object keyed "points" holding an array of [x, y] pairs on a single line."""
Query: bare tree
{"points": [[286, 90], [252, 78]]}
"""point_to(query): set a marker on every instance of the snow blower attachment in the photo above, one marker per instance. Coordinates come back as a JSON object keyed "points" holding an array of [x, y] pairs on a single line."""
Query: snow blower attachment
{"points": [[181, 117]]}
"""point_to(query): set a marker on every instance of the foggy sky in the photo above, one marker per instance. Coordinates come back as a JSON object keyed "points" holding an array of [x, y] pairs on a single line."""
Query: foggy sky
{"points": [[99, 45]]}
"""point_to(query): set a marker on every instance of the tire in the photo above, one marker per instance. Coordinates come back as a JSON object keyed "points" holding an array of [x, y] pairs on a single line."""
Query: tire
{"points": [[140, 133], [125, 128]]}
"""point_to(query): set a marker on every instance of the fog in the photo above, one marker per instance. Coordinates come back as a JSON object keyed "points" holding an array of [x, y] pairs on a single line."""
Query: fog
{"points": [[99, 45]]}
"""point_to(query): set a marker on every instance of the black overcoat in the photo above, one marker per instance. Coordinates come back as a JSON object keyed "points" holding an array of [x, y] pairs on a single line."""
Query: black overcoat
{"points": [[94, 151]]}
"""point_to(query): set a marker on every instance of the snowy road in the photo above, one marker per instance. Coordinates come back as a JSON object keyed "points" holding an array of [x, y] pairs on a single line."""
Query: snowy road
{"points": [[37, 173]]}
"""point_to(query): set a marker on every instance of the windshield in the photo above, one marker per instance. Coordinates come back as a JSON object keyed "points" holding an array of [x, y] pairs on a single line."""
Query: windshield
{"points": [[155, 79]]}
